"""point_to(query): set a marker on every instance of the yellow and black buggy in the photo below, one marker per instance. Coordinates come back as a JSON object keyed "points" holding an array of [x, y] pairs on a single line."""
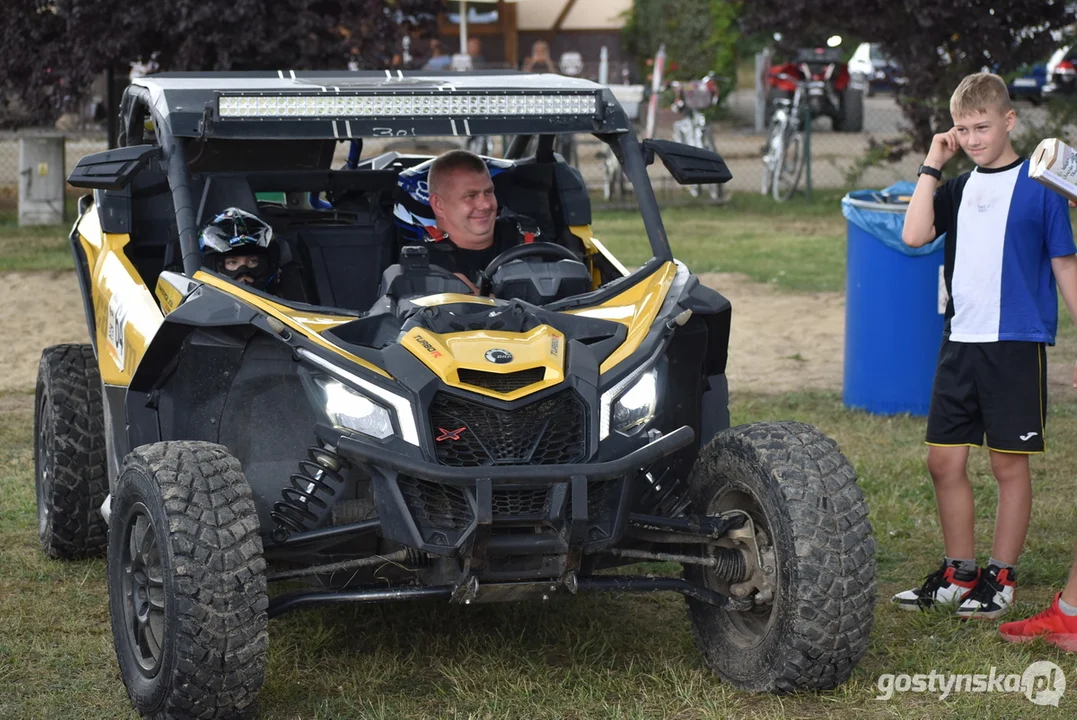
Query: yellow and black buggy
{"points": [[372, 432]]}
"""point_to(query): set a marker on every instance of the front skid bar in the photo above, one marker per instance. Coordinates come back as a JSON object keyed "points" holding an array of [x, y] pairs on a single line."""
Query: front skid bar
{"points": [[628, 583]]}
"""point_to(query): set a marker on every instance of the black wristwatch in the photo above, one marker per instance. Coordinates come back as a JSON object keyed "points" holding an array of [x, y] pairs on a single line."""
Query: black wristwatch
{"points": [[928, 170]]}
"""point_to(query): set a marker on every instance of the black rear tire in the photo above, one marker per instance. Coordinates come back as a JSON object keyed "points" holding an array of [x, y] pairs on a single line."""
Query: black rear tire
{"points": [[186, 582], [802, 493], [851, 113], [70, 473]]}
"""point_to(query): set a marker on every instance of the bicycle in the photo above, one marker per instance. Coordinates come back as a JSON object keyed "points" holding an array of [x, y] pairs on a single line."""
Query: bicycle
{"points": [[783, 154], [693, 128]]}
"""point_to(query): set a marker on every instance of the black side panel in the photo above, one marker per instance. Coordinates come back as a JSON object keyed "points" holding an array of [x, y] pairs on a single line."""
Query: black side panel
{"points": [[267, 422], [191, 400], [715, 310], [714, 409]]}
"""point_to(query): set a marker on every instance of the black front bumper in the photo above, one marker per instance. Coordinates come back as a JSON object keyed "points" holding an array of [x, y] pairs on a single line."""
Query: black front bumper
{"points": [[505, 510]]}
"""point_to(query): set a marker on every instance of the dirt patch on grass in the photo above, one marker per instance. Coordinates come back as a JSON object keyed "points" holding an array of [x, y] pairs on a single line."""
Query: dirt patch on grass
{"points": [[782, 341], [37, 309]]}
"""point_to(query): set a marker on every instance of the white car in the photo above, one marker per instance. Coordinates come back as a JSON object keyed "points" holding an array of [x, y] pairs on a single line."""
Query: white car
{"points": [[871, 67]]}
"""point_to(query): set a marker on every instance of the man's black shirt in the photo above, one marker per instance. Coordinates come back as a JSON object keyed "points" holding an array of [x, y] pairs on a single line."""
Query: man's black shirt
{"points": [[470, 263]]}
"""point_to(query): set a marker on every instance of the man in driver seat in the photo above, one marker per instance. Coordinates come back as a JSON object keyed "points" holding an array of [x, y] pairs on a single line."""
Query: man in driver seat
{"points": [[469, 232]]}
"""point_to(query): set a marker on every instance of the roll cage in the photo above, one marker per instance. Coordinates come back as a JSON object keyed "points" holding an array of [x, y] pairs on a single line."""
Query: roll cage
{"points": [[186, 112]]}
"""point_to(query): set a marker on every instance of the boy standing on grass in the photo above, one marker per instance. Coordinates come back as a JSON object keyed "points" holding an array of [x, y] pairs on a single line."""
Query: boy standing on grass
{"points": [[1008, 240]]}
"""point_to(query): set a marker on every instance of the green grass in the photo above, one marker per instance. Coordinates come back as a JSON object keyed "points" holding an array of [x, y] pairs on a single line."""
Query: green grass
{"points": [[592, 657], [798, 245], [39, 247]]}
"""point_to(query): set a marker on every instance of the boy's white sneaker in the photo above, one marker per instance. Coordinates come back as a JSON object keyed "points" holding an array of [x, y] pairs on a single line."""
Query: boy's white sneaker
{"points": [[945, 586], [993, 596]]}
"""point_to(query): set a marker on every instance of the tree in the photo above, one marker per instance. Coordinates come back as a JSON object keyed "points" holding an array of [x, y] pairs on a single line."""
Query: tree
{"points": [[699, 35], [937, 43], [54, 48]]}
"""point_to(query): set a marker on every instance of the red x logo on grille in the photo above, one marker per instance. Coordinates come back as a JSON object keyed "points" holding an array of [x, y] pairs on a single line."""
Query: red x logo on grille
{"points": [[450, 434]]}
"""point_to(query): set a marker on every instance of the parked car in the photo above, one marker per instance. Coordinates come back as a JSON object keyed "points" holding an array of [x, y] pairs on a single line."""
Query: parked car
{"points": [[875, 70], [1030, 83], [1062, 72]]}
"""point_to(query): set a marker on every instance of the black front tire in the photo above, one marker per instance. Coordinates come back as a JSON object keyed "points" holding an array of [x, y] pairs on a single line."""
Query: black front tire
{"points": [[70, 473], [186, 582], [802, 493]]}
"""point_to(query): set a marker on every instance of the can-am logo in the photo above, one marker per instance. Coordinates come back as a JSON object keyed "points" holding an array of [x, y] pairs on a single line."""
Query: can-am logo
{"points": [[498, 356]]}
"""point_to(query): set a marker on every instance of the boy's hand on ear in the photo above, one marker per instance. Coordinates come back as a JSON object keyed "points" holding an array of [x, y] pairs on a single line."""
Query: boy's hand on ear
{"points": [[943, 147]]}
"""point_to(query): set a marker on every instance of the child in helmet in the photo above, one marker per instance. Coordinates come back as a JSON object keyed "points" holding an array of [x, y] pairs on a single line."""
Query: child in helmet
{"points": [[240, 246]]}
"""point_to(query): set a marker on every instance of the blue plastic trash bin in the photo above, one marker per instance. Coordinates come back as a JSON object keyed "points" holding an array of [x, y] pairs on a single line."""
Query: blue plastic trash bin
{"points": [[894, 307]]}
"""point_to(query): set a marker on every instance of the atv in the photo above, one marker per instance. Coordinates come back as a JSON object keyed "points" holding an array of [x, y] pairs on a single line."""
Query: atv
{"points": [[373, 432], [829, 87]]}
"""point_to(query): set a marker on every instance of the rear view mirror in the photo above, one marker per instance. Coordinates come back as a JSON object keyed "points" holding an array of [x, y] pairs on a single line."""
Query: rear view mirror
{"points": [[112, 169], [687, 164]]}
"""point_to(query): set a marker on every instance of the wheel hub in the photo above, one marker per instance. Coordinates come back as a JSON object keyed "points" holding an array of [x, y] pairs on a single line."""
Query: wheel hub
{"points": [[144, 592]]}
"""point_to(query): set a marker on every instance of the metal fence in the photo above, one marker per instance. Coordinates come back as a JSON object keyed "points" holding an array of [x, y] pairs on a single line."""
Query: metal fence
{"points": [[833, 154]]}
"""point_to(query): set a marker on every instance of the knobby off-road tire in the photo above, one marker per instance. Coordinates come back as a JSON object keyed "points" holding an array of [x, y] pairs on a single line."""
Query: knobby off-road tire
{"points": [[802, 492], [70, 473], [186, 582]]}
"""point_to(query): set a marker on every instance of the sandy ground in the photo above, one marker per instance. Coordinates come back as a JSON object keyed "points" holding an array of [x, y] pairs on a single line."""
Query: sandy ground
{"points": [[37, 309], [770, 353], [781, 341]]}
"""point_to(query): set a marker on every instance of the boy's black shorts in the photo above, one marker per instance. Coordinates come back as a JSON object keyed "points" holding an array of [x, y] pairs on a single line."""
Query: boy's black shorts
{"points": [[997, 388]]}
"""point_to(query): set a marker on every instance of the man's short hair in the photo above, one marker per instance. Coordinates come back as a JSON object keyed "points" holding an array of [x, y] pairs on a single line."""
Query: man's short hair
{"points": [[978, 93], [449, 163]]}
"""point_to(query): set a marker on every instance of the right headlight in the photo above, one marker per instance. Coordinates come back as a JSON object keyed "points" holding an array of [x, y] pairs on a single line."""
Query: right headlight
{"points": [[351, 410], [636, 406], [352, 403]]}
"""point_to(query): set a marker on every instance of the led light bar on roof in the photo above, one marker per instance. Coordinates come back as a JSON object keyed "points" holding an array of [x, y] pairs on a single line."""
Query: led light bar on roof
{"points": [[374, 106]]}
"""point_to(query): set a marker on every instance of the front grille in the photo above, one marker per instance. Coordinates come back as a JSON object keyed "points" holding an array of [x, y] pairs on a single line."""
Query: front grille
{"points": [[546, 432], [529, 502], [502, 382], [437, 506], [602, 499]]}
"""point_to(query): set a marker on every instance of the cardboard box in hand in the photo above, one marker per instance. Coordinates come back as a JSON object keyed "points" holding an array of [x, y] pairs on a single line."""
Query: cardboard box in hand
{"points": [[1054, 163]]}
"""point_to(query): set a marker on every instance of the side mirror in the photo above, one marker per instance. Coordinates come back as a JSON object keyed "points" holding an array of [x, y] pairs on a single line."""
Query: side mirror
{"points": [[687, 164], [112, 169]]}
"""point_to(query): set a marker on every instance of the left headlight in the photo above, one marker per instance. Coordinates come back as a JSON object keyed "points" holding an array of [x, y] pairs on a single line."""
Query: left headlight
{"points": [[350, 410], [636, 406]]}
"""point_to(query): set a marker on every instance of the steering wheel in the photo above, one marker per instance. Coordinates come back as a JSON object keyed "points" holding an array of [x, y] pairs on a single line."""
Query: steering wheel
{"points": [[537, 249]]}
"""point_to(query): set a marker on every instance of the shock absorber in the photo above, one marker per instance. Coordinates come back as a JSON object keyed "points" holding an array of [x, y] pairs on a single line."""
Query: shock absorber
{"points": [[301, 508]]}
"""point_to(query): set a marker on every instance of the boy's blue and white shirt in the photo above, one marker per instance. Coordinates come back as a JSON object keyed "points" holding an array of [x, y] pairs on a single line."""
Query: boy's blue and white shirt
{"points": [[1002, 229]]}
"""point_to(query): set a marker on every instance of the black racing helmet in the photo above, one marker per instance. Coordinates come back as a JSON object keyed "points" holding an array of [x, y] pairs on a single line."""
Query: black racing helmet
{"points": [[237, 233]]}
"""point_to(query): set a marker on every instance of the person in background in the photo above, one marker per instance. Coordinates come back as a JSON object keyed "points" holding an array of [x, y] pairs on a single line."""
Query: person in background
{"points": [[438, 60], [540, 61], [474, 51]]}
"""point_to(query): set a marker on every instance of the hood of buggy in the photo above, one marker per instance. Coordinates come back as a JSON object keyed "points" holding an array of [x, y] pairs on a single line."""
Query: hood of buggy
{"points": [[496, 363]]}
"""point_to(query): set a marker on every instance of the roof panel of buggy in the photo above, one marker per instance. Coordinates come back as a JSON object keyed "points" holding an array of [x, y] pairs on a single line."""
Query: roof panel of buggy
{"points": [[342, 104]]}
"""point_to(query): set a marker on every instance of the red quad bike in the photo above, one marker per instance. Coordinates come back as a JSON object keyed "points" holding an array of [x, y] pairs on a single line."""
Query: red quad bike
{"points": [[829, 89]]}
